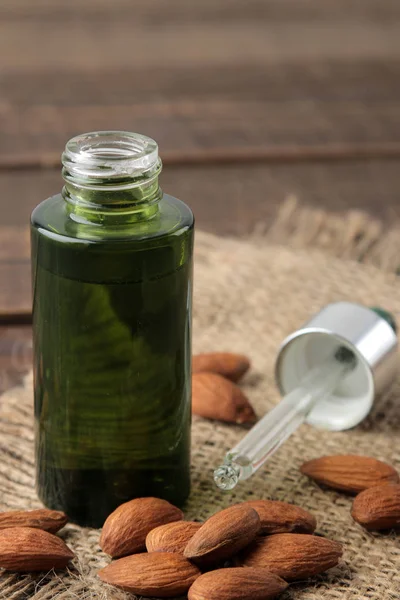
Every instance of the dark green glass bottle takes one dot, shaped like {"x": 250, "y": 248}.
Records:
{"x": 112, "y": 281}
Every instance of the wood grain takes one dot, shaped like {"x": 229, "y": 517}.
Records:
{"x": 223, "y": 11}
{"x": 15, "y": 295}
{"x": 263, "y": 77}
{"x": 125, "y": 43}
{"x": 205, "y": 109}
{"x": 201, "y": 76}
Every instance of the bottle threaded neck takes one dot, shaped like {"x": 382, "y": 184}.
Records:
{"x": 110, "y": 160}
{"x": 111, "y": 178}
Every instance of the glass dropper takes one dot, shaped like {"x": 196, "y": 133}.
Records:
{"x": 277, "y": 425}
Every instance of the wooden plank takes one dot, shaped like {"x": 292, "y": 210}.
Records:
{"x": 223, "y": 11}
{"x": 200, "y": 76}
{"x": 15, "y": 288}
{"x": 15, "y": 296}
{"x": 190, "y": 110}
{"x": 157, "y": 7}
{"x": 293, "y": 82}
{"x": 15, "y": 355}
{"x": 227, "y": 200}
{"x": 124, "y": 44}
{"x": 15, "y": 243}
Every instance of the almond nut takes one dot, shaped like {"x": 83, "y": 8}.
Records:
{"x": 349, "y": 473}
{"x": 282, "y": 517}
{"x": 223, "y": 534}
{"x": 378, "y": 507}
{"x": 229, "y": 365}
{"x": 292, "y": 556}
{"x": 29, "y": 549}
{"x": 215, "y": 397}
{"x": 171, "y": 537}
{"x": 125, "y": 530}
{"x": 160, "y": 574}
{"x": 237, "y": 584}
{"x": 42, "y": 518}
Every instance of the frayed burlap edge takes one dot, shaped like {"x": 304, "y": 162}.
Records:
{"x": 352, "y": 235}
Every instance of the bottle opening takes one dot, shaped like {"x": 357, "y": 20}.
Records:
{"x": 107, "y": 156}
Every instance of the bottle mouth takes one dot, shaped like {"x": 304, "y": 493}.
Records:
{"x": 109, "y": 157}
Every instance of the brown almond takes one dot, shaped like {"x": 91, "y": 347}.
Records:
{"x": 160, "y": 574}
{"x": 229, "y": 365}
{"x": 292, "y": 556}
{"x": 42, "y": 518}
{"x": 215, "y": 397}
{"x": 223, "y": 534}
{"x": 282, "y": 517}
{"x": 349, "y": 473}
{"x": 29, "y": 549}
{"x": 378, "y": 507}
{"x": 171, "y": 537}
{"x": 125, "y": 530}
{"x": 237, "y": 584}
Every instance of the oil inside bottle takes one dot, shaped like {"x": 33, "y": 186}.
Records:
{"x": 112, "y": 359}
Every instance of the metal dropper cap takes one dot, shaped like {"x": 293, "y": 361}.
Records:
{"x": 370, "y": 333}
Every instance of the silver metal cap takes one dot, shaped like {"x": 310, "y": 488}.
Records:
{"x": 369, "y": 334}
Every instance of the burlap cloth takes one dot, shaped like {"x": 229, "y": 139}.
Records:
{"x": 248, "y": 296}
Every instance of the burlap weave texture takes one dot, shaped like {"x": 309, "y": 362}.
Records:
{"x": 248, "y": 297}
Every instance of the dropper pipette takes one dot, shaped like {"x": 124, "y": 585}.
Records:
{"x": 277, "y": 425}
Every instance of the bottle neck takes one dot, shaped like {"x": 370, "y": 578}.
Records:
{"x": 112, "y": 207}
{"x": 111, "y": 178}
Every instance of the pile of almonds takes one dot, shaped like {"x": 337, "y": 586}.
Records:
{"x": 249, "y": 550}
{"x": 266, "y": 543}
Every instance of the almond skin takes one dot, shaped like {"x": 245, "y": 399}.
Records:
{"x": 237, "y": 584}
{"x": 215, "y": 397}
{"x": 229, "y": 365}
{"x": 292, "y": 556}
{"x": 223, "y": 535}
{"x": 378, "y": 507}
{"x": 160, "y": 574}
{"x": 125, "y": 530}
{"x": 349, "y": 473}
{"x": 282, "y": 517}
{"x": 29, "y": 549}
{"x": 48, "y": 520}
{"x": 172, "y": 537}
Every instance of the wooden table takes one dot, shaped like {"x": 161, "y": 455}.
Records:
{"x": 250, "y": 102}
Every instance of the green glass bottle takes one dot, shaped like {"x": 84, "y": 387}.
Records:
{"x": 112, "y": 287}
